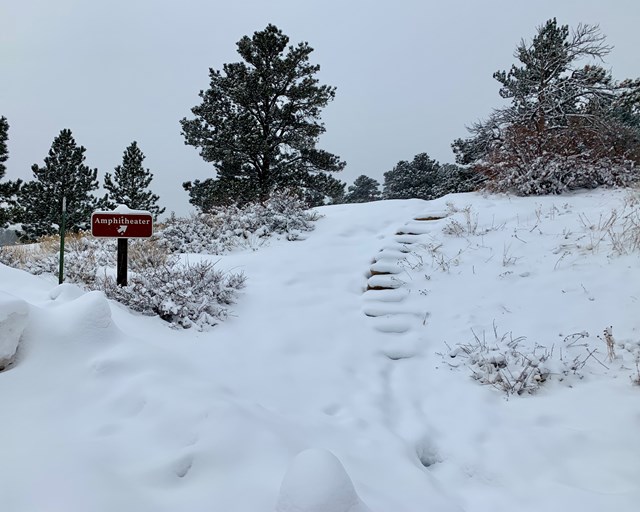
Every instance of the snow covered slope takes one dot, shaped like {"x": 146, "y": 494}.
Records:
{"x": 408, "y": 356}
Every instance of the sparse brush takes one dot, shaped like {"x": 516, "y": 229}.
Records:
{"x": 619, "y": 229}
{"x": 151, "y": 253}
{"x": 441, "y": 260}
{"x": 501, "y": 364}
{"x": 611, "y": 343}
{"x": 468, "y": 228}
{"x": 636, "y": 378}
{"x": 626, "y": 239}
{"x": 504, "y": 363}
{"x": 507, "y": 258}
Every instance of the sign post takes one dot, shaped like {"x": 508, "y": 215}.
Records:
{"x": 122, "y": 223}
{"x": 122, "y": 259}
{"x": 62, "y": 235}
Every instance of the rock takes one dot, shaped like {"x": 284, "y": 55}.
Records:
{"x": 14, "y": 315}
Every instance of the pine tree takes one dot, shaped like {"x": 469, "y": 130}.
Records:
{"x": 363, "y": 190}
{"x": 8, "y": 189}
{"x": 4, "y": 150}
{"x": 559, "y": 130}
{"x": 129, "y": 184}
{"x": 64, "y": 175}
{"x": 413, "y": 179}
{"x": 319, "y": 189}
{"x": 259, "y": 121}
{"x": 425, "y": 178}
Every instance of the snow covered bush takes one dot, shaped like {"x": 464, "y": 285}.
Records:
{"x": 83, "y": 255}
{"x": 144, "y": 253}
{"x": 39, "y": 258}
{"x": 516, "y": 366}
{"x": 231, "y": 227}
{"x": 554, "y": 174}
{"x": 503, "y": 364}
{"x": 186, "y": 296}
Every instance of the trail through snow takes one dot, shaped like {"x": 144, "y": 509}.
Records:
{"x": 339, "y": 350}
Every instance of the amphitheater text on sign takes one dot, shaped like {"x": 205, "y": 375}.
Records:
{"x": 121, "y": 225}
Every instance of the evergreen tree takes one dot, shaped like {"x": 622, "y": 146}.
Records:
{"x": 413, "y": 179}
{"x": 453, "y": 179}
{"x": 363, "y": 190}
{"x": 129, "y": 184}
{"x": 559, "y": 130}
{"x": 64, "y": 175}
{"x": 9, "y": 189}
{"x": 4, "y": 150}
{"x": 425, "y": 178}
{"x": 259, "y": 121}
{"x": 319, "y": 190}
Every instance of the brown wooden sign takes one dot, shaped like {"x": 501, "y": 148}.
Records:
{"x": 121, "y": 225}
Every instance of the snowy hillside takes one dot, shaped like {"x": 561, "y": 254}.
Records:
{"x": 466, "y": 354}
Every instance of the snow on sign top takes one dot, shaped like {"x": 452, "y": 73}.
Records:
{"x": 122, "y": 222}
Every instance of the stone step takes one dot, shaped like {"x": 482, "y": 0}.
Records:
{"x": 386, "y": 295}
{"x": 397, "y": 324}
{"x": 431, "y": 215}
{"x": 407, "y": 239}
{"x": 385, "y": 267}
{"x": 384, "y": 282}
{"x": 379, "y": 309}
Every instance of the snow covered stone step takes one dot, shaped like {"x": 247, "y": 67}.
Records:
{"x": 407, "y": 239}
{"x": 14, "y": 315}
{"x": 385, "y": 267}
{"x": 404, "y": 348}
{"x": 378, "y": 309}
{"x": 395, "y": 248}
{"x": 431, "y": 215}
{"x": 395, "y": 295}
{"x": 391, "y": 255}
{"x": 316, "y": 481}
{"x": 415, "y": 228}
{"x": 384, "y": 282}
{"x": 395, "y": 324}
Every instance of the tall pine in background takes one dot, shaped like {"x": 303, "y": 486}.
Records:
{"x": 64, "y": 174}
{"x": 4, "y": 150}
{"x": 259, "y": 123}
{"x": 9, "y": 189}
{"x": 129, "y": 184}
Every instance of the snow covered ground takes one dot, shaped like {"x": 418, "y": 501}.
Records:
{"x": 374, "y": 366}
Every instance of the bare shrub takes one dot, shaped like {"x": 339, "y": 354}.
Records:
{"x": 468, "y": 226}
{"x": 501, "y": 363}
{"x": 636, "y": 378}
{"x": 508, "y": 364}
{"x": 610, "y": 342}
{"x": 148, "y": 253}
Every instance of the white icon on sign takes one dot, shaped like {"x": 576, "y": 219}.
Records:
{"x": 122, "y": 229}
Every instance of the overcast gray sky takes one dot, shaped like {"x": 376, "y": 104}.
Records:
{"x": 410, "y": 74}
